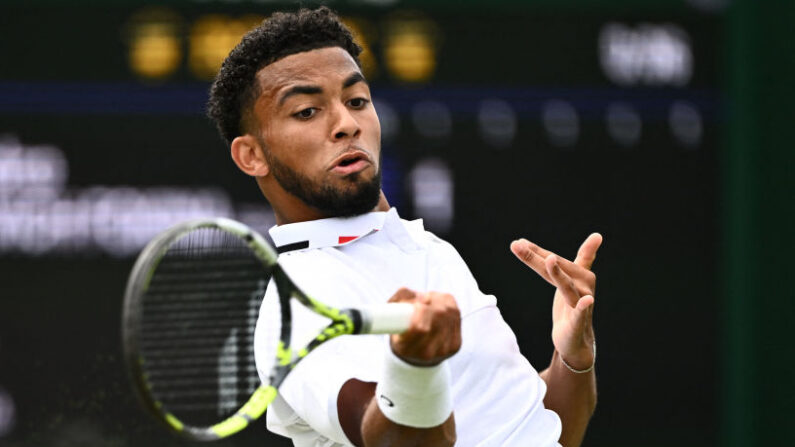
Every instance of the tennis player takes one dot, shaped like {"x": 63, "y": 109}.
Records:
{"x": 297, "y": 112}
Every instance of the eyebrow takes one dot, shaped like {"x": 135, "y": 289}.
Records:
{"x": 314, "y": 90}
{"x": 353, "y": 79}
{"x": 300, "y": 90}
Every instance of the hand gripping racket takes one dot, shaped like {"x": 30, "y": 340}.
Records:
{"x": 190, "y": 308}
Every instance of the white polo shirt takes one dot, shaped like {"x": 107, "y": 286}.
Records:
{"x": 351, "y": 262}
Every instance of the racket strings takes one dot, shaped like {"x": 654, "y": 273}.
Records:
{"x": 199, "y": 314}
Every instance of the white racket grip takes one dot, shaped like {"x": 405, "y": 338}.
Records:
{"x": 390, "y": 318}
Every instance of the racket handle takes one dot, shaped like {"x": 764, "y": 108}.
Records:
{"x": 390, "y": 318}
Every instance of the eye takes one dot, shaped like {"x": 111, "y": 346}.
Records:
{"x": 358, "y": 103}
{"x": 306, "y": 113}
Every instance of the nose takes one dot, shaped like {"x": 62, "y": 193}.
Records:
{"x": 344, "y": 124}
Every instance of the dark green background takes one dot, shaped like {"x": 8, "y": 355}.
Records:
{"x": 758, "y": 211}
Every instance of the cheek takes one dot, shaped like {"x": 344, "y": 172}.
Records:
{"x": 296, "y": 146}
{"x": 377, "y": 127}
{"x": 373, "y": 125}
{"x": 288, "y": 139}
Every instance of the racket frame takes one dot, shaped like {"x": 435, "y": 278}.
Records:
{"x": 389, "y": 318}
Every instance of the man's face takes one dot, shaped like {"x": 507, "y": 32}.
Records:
{"x": 319, "y": 131}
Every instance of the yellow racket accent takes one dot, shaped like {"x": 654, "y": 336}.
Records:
{"x": 331, "y": 313}
{"x": 252, "y": 410}
{"x": 284, "y": 355}
{"x": 173, "y": 421}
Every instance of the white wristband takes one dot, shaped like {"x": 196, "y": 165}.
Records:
{"x": 414, "y": 396}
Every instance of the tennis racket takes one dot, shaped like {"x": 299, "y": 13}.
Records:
{"x": 190, "y": 308}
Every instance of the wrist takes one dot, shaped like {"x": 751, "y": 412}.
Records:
{"x": 582, "y": 363}
{"x": 414, "y": 396}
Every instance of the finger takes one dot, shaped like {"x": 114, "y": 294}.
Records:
{"x": 584, "y": 303}
{"x": 525, "y": 251}
{"x": 433, "y": 309}
{"x": 562, "y": 281}
{"x": 570, "y": 267}
{"x": 533, "y": 256}
{"x": 450, "y": 332}
{"x": 585, "y": 278}
{"x": 582, "y": 314}
{"x": 403, "y": 295}
{"x": 586, "y": 255}
{"x": 530, "y": 254}
{"x": 435, "y": 332}
{"x": 424, "y": 298}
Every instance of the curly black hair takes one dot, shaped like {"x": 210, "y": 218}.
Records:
{"x": 235, "y": 88}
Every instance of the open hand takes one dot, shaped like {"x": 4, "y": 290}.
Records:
{"x": 572, "y": 308}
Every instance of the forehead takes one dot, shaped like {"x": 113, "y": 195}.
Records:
{"x": 314, "y": 66}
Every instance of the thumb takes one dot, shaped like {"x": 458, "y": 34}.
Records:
{"x": 582, "y": 311}
{"x": 584, "y": 303}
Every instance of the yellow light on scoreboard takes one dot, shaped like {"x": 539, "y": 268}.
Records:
{"x": 364, "y": 34}
{"x": 155, "y": 48}
{"x": 211, "y": 39}
{"x": 410, "y": 46}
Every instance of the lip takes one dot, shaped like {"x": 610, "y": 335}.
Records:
{"x": 361, "y": 160}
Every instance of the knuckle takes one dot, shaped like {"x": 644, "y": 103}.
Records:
{"x": 401, "y": 295}
{"x": 405, "y": 292}
{"x": 456, "y": 347}
{"x": 454, "y": 312}
{"x": 449, "y": 301}
{"x": 423, "y": 328}
{"x": 570, "y": 284}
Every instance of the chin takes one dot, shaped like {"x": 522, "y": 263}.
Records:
{"x": 360, "y": 195}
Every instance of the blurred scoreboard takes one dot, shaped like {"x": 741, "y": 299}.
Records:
{"x": 101, "y": 108}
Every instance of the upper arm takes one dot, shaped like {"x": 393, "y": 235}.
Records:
{"x": 544, "y": 376}
{"x": 352, "y": 402}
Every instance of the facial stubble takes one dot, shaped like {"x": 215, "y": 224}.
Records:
{"x": 359, "y": 196}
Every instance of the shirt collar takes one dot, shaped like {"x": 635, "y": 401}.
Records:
{"x": 336, "y": 231}
{"x": 329, "y": 232}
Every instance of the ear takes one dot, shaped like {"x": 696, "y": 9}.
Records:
{"x": 249, "y": 156}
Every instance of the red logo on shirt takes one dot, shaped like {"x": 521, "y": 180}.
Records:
{"x": 344, "y": 239}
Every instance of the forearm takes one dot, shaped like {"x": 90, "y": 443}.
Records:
{"x": 378, "y": 431}
{"x": 411, "y": 405}
{"x": 572, "y": 396}
{"x": 366, "y": 426}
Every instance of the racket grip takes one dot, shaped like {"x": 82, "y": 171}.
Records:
{"x": 390, "y": 318}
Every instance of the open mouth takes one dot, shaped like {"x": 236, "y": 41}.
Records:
{"x": 349, "y": 160}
